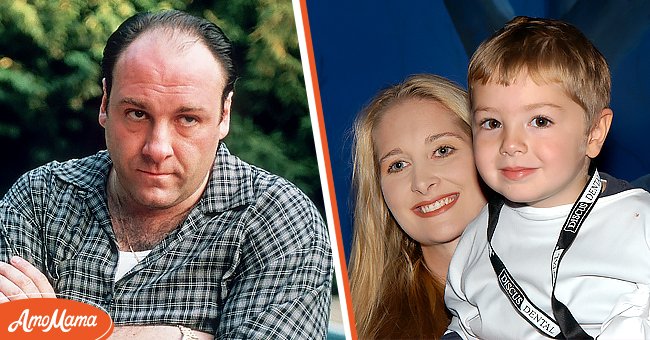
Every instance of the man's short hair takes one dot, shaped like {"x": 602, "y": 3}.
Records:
{"x": 176, "y": 21}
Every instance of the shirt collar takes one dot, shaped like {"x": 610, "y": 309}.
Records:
{"x": 230, "y": 185}
{"x": 87, "y": 173}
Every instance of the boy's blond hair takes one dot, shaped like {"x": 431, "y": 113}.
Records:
{"x": 550, "y": 51}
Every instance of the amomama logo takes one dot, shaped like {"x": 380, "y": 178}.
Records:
{"x": 42, "y": 318}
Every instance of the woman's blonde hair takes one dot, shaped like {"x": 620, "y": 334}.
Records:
{"x": 393, "y": 294}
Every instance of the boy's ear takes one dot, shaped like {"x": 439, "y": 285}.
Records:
{"x": 598, "y": 132}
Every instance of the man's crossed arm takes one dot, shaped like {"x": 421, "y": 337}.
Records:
{"x": 20, "y": 280}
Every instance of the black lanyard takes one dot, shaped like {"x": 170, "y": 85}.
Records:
{"x": 566, "y": 327}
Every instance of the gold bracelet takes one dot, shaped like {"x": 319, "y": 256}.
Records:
{"x": 188, "y": 333}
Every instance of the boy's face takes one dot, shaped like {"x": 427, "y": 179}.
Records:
{"x": 530, "y": 143}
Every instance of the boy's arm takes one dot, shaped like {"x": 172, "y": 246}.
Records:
{"x": 464, "y": 313}
{"x": 629, "y": 319}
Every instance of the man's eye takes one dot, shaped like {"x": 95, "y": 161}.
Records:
{"x": 490, "y": 124}
{"x": 136, "y": 114}
{"x": 541, "y": 122}
{"x": 188, "y": 120}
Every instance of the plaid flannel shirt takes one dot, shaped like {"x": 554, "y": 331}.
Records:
{"x": 251, "y": 260}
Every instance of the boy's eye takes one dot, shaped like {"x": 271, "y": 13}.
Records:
{"x": 490, "y": 124}
{"x": 397, "y": 166}
{"x": 540, "y": 122}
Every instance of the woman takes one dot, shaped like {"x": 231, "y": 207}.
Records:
{"x": 416, "y": 189}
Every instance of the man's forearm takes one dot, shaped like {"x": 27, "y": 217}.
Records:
{"x": 19, "y": 279}
{"x": 156, "y": 332}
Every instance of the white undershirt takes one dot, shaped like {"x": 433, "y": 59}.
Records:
{"x": 128, "y": 260}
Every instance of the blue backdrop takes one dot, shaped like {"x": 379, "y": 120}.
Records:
{"x": 363, "y": 46}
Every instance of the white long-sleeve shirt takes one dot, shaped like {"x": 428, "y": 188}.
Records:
{"x": 603, "y": 278}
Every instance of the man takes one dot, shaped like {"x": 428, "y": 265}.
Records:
{"x": 168, "y": 238}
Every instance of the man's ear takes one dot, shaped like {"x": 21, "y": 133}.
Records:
{"x": 224, "y": 124}
{"x": 598, "y": 132}
{"x": 103, "y": 106}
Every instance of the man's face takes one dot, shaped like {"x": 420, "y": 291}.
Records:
{"x": 164, "y": 120}
{"x": 530, "y": 143}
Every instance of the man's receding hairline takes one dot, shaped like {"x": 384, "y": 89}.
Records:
{"x": 173, "y": 37}
{"x": 160, "y": 32}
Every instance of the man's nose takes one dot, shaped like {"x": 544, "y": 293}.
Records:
{"x": 158, "y": 145}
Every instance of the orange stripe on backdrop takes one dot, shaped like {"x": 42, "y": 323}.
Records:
{"x": 330, "y": 181}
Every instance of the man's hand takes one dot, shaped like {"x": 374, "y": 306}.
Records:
{"x": 153, "y": 332}
{"x": 20, "y": 280}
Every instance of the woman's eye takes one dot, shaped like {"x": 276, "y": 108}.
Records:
{"x": 540, "y": 122}
{"x": 490, "y": 124}
{"x": 443, "y": 151}
{"x": 397, "y": 166}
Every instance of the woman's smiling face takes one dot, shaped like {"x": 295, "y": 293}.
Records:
{"x": 427, "y": 171}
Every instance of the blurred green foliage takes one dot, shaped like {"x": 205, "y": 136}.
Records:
{"x": 50, "y": 53}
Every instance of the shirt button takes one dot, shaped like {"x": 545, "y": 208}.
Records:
{"x": 108, "y": 298}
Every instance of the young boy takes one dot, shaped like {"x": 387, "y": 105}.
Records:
{"x": 566, "y": 253}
